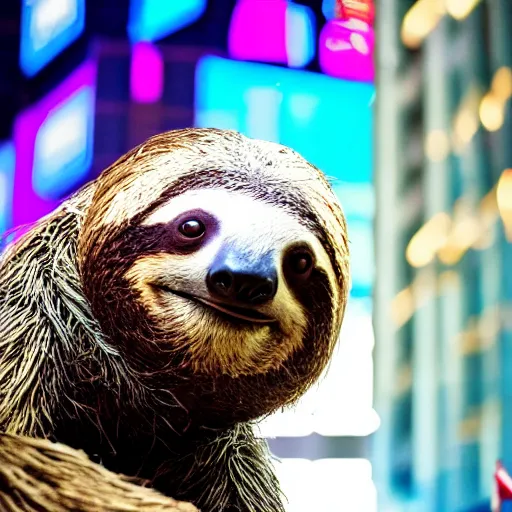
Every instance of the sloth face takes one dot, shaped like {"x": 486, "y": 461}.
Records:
{"x": 226, "y": 274}
{"x": 219, "y": 264}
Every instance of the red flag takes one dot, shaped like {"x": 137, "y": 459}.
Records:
{"x": 502, "y": 487}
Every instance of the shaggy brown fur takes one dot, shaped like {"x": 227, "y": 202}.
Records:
{"x": 36, "y": 474}
{"x": 83, "y": 363}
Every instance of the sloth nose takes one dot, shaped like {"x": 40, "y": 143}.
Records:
{"x": 242, "y": 280}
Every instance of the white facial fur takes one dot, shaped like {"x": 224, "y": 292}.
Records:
{"x": 215, "y": 345}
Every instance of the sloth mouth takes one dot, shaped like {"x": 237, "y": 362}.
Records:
{"x": 233, "y": 312}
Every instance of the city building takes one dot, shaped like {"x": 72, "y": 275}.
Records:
{"x": 443, "y": 358}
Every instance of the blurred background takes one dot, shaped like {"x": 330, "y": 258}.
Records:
{"x": 423, "y": 169}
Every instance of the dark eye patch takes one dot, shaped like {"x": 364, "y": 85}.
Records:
{"x": 139, "y": 240}
{"x": 271, "y": 192}
{"x": 191, "y": 229}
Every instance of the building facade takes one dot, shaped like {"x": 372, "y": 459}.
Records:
{"x": 443, "y": 358}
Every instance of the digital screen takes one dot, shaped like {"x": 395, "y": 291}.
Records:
{"x": 146, "y": 73}
{"x": 63, "y": 149}
{"x": 329, "y": 9}
{"x": 47, "y": 28}
{"x": 151, "y": 20}
{"x": 289, "y": 32}
{"x": 358, "y": 199}
{"x": 346, "y": 50}
{"x": 54, "y": 142}
{"x": 327, "y": 120}
{"x": 361, "y": 257}
{"x": 7, "y": 163}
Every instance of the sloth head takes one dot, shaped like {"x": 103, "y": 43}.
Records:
{"x": 219, "y": 265}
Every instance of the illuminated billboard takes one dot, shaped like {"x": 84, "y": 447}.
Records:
{"x": 151, "y": 20}
{"x": 327, "y": 120}
{"x": 7, "y": 162}
{"x": 54, "y": 141}
{"x": 47, "y": 28}
{"x": 289, "y": 32}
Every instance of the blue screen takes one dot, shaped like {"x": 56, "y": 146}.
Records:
{"x": 327, "y": 120}
{"x": 7, "y": 163}
{"x": 63, "y": 147}
{"x": 151, "y": 20}
{"x": 47, "y": 27}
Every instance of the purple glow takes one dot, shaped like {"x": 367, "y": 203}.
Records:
{"x": 346, "y": 50}
{"x": 28, "y": 206}
{"x": 280, "y": 32}
{"x": 257, "y": 33}
{"x": 146, "y": 73}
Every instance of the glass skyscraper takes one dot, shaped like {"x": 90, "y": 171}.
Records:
{"x": 443, "y": 357}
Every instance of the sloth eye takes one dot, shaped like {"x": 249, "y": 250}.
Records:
{"x": 300, "y": 262}
{"x": 192, "y": 228}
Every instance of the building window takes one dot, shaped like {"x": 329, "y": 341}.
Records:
{"x": 402, "y": 479}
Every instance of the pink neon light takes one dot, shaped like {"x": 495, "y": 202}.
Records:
{"x": 146, "y": 73}
{"x": 346, "y": 50}
{"x": 27, "y": 205}
{"x": 258, "y": 32}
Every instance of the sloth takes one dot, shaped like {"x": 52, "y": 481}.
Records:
{"x": 194, "y": 287}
